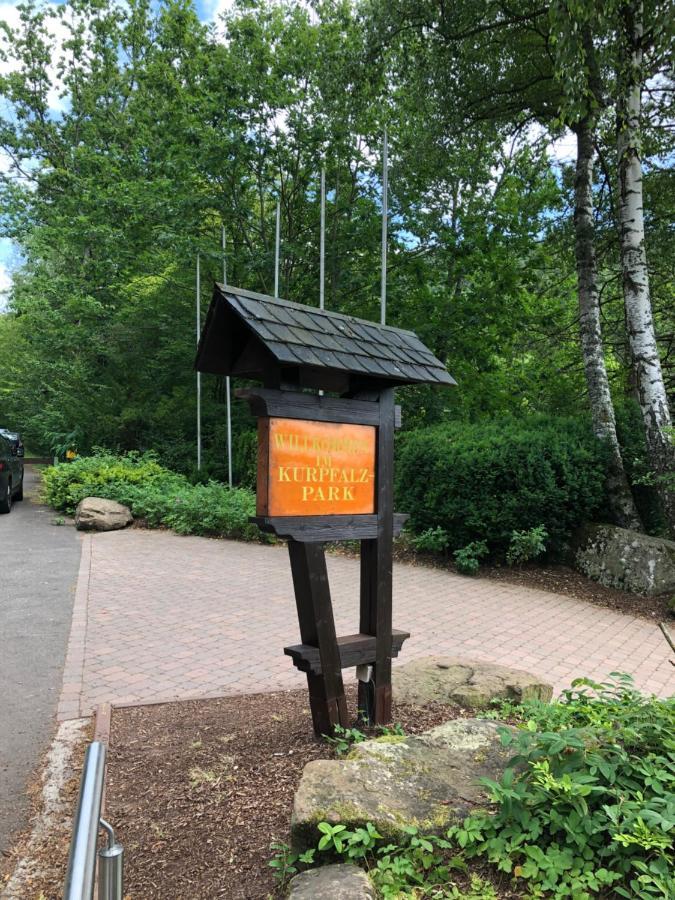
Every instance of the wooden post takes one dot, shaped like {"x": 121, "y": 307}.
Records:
{"x": 317, "y": 627}
{"x": 376, "y": 574}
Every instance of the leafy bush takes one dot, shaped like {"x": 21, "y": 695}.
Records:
{"x": 586, "y": 807}
{"x": 467, "y": 558}
{"x": 485, "y": 481}
{"x": 245, "y": 458}
{"x": 153, "y": 493}
{"x": 66, "y": 484}
{"x": 433, "y": 540}
{"x": 588, "y": 801}
{"x": 526, "y": 545}
{"x": 420, "y": 865}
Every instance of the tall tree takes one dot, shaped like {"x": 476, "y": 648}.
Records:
{"x": 632, "y": 42}
{"x": 490, "y": 62}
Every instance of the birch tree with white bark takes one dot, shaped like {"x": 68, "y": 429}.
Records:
{"x": 634, "y": 43}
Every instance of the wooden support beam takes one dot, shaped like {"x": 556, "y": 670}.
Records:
{"x": 325, "y": 528}
{"x": 317, "y": 627}
{"x": 376, "y": 576}
{"x": 354, "y": 649}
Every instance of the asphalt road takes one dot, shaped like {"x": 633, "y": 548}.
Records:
{"x": 38, "y": 569}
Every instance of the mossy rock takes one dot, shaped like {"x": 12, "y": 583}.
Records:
{"x": 470, "y": 684}
{"x": 337, "y": 882}
{"x": 429, "y": 780}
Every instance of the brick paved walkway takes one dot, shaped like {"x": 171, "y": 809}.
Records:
{"x": 159, "y": 617}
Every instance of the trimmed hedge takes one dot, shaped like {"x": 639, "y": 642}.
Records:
{"x": 153, "y": 493}
{"x": 485, "y": 481}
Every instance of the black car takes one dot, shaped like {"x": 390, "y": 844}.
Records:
{"x": 14, "y": 439}
{"x": 11, "y": 469}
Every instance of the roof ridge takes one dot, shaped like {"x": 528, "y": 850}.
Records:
{"x": 265, "y": 298}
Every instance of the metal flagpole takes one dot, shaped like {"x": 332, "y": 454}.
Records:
{"x": 199, "y": 374}
{"x": 385, "y": 198}
{"x": 228, "y": 395}
{"x": 322, "y": 242}
{"x": 277, "y": 247}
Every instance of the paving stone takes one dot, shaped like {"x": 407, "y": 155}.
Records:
{"x": 141, "y": 594}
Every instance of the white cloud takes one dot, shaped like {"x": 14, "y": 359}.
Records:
{"x": 564, "y": 150}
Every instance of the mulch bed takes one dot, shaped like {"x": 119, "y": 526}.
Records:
{"x": 197, "y": 790}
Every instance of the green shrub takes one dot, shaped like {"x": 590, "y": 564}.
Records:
{"x": 526, "y": 545}
{"x": 467, "y": 559}
{"x": 588, "y": 801}
{"x": 245, "y": 459}
{"x": 153, "y": 493}
{"x": 485, "y": 481}
{"x": 433, "y": 540}
{"x": 66, "y": 484}
{"x": 586, "y": 807}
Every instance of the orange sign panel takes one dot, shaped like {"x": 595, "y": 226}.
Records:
{"x": 308, "y": 468}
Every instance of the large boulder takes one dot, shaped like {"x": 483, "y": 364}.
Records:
{"x": 628, "y": 560}
{"x": 461, "y": 682}
{"x": 336, "y": 882}
{"x": 429, "y": 780}
{"x": 96, "y": 514}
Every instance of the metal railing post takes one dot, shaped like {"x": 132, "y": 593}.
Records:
{"x": 81, "y": 873}
{"x": 82, "y": 861}
{"x": 110, "y": 867}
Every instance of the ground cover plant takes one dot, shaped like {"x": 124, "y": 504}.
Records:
{"x": 153, "y": 493}
{"x": 585, "y": 808}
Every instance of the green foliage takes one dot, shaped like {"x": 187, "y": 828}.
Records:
{"x": 153, "y": 493}
{"x": 245, "y": 458}
{"x": 526, "y": 545}
{"x": 421, "y": 865}
{"x": 343, "y": 739}
{"x": 585, "y": 807}
{"x": 588, "y": 801}
{"x": 284, "y": 861}
{"x": 433, "y": 540}
{"x": 482, "y": 482}
{"x": 467, "y": 559}
{"x": 66, "y": 484}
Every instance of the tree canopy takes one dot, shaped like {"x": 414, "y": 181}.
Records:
{"x": 168, "y": 129}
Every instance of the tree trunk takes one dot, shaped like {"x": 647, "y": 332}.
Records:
{"x": 651, "y": 388}
{"x": 602, "y": 410}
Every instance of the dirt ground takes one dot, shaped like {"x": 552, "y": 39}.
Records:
{"x": 199, "y": 789}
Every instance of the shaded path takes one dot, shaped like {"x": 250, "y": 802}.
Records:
{"x": 38, "y": 567}
{"x": 160, "y": 616}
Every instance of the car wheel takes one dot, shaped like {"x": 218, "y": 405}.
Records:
{"x": 18, "y": 495}
{"x": 6, "y": 500}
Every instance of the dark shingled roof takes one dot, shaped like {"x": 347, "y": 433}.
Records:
{"x": 306, "y": 337}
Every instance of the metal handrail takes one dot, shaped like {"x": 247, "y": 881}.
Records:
{"x": 81, "y": 873}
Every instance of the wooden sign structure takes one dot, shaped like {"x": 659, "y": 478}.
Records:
{"x": 326, "y": 421}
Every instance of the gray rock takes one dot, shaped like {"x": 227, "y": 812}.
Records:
{"x": 96, "y": 514}
{"x": 628, "y": 560}
{"x": 429, "y": 780}
{"x": 467, "y": 683}
{"x": 338, "y": 882}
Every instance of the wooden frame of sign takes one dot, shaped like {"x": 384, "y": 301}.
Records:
{"x": 325, "y": 471}
{"x": 322, "y": 655}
